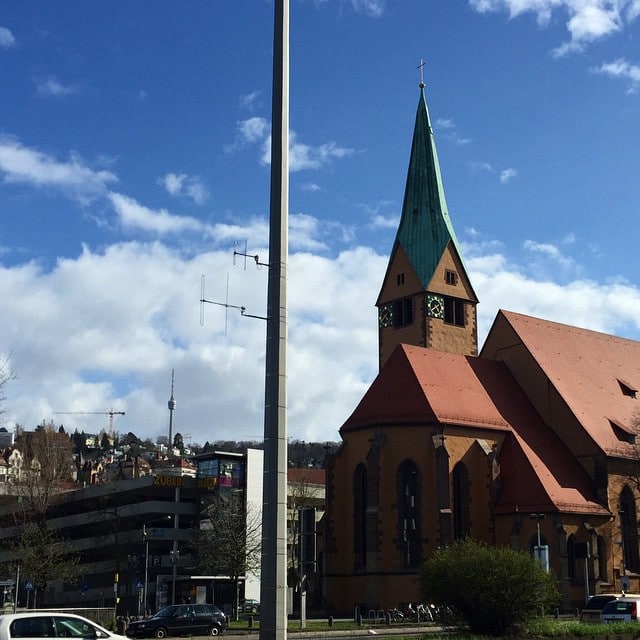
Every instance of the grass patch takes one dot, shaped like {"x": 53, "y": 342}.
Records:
{"x": 551, "y": 628}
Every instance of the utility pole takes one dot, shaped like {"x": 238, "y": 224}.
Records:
{"x": 273, "y": 574}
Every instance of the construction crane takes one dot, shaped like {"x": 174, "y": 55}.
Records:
{"x": 88, "y": 413}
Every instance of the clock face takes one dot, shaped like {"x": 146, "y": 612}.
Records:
{"x": 435, "y": 306}
{"x": 384, "y": 316}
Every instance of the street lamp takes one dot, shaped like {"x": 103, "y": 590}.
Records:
{"x": 174, "y": 558}
{"x": 145, "y": 588}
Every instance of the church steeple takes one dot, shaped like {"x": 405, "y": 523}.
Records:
{"x": 426, "y": 297}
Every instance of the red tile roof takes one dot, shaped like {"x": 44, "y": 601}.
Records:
{"x": 591, "y": 371}
{"x": 310, "y": 475}
{"x": 425, "y": 387}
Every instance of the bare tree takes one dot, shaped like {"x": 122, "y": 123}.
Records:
{"x": 229, "y": 539}
{"x": 6, "y": 375}
{"x": 42, "y": 553}
{"x": 302, "y": 494}
{"x": 47, "y": 464}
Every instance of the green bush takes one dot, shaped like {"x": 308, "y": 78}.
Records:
{"x": 489, "y": 588}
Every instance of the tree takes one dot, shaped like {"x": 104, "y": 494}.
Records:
{"x": 302, "y": 494}
{"x": 40, "y": 551}
{"x": 48, "y": 462}
{"x": 490, "y": 588}
{"x": 6, "y": 375}
{"x": 228, "y": 540}
{"x": 178, "y": 442}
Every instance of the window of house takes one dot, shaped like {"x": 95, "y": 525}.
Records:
{"x": 627, "y": 389}
{"x": 400, "y": 278}
{"x": 623, "y": 433}
{"x": 454, "y": 312}
{"x": 450, "y": 277}
{"x": 403, "y": 312}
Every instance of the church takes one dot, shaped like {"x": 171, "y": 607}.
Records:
{"x": 528, "y": 442}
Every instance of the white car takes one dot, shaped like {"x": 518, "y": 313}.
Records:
{"x": 624, "y": 609}
{"x": 51, "y": 624}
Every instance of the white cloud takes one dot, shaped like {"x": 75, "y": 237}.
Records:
{"x": 588, "y": 20}
{"x": 109, "y": 327}
{"x": 481, "y": 166}
{"x": 633, "y": 10}
{"x": 22, "y": 164}
{"x": 134, "y": 216}
{"x": 301, "y": 156}
{"x": 248, "y": 101}
{"x": 7, "y": 39}
{"x": 185, "y": 186}
{"x": 506, "y": 175}
{"x": 382, "y": 215}
{"x": 620, "y": 68}
{"x": 450, "y": 132}
{"x": 254, "y": 129}
{"x": 373, "y": 8}
{"x": 51, "y": 86}
{"x": 552, "y": 258}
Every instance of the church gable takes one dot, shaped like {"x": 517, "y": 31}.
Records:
{"x": 573, "y": 377}
{"x": 450, "y": 277}
{"x": 400, "y": 279}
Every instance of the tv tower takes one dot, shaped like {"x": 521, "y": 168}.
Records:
{"x": 172, "y": 407}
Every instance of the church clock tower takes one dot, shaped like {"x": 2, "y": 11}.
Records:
{"x": 426, "y": 297}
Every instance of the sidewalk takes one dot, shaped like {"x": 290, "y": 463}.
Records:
{"x": 328, "y": 632}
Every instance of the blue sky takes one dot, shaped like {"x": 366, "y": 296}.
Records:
{"x": 134, "y": 158}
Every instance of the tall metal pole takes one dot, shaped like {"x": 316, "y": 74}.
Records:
{"x": 273, "y": 574}
{"x": 145, "y": 588}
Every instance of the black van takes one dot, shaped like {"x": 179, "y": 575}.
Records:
{"x": 180, "y": 620}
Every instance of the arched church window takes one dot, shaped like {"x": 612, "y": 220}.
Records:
{"x": 629, "y": 530}
{"x": 571, "y": 557}
{"x": 602, "y": 559}
{"x": 409, "y": 513}
{"x": 461, "y": 502}
{"x": 360, "y": 515}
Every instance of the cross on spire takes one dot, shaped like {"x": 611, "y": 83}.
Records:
{"x": 421, "y": 67}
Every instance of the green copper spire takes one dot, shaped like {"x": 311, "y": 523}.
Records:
{"x": 425, "y": 227}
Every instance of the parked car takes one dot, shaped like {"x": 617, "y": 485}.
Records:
{"x": 623, "y": 609}
{"x": 594, "y": 606}
{"x": 180, "y": 620}
{"x": 250, "y": 606}
{"x": 45, "y": 624}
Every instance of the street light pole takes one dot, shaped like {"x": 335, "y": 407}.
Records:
{"x": 174, "y": 556}
{"x": 145, "y": 588}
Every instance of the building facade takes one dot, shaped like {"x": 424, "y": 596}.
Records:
{"x": 134, "y": 536}
{"x": 530, "y": 443}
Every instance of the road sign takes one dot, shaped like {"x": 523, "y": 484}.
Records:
{"x": 28, "y": 585}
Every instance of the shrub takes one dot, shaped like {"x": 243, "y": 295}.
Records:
{"x": 490, "y": 588}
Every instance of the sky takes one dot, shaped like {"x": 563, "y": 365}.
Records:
{"x": 134, "y": 171}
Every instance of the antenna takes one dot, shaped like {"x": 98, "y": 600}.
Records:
{"x": 172, "y": 406}
{"x": 224, "y": 304}
{"x": 245, "y": 255}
